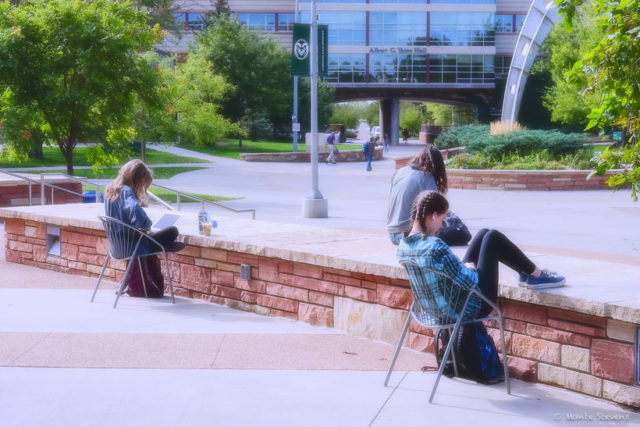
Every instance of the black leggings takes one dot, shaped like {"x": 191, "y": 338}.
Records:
{"x": 164, "y": 237}
{"x": 486, "y": 250}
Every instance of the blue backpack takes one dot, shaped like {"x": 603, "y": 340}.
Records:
{"x": 364, "y": 147}
{"x": 477, "y": 355}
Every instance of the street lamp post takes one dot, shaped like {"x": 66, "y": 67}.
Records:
{"x": 314, "y": 206}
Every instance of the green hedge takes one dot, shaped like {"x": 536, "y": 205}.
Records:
{"x": 461, "y": 135}
{"x": 476, "y": 139}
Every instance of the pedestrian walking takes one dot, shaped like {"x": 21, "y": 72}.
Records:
{"x": 333, "y": 150}
{"x": 369, "y": 150}
{"x": 387, "y": 142}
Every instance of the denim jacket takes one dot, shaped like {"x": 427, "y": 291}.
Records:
{"x": 127, "y": 209}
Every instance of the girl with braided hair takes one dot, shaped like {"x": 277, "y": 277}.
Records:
{"x": 479, "y": 267}
{"x": 426, "y": 171}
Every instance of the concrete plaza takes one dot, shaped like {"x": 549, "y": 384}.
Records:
{"x": 66, "y": 361}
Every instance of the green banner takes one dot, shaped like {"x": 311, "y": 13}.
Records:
{"x": 301, "y": 49}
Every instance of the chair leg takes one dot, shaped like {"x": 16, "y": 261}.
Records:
{"x": 121, "y": 289}
{"x": 104, "y": 266}
{"x": 166, "y": 265}
{"x": 453, "y": 354}
{"x": 505, "y": 362}
{"x": 402, "y": 335}
{"x": 456, "y": 329}
{"x": 144, "y": 284}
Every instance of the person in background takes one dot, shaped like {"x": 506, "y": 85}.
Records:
{"x": 333, "y": 151}
{"x": 123, "y": 199}
{"x": 479, "y": 267}
{"x": 369, "y": 150}
{"x": 405, "y": 135}
{"x": 387, "y": 142}
{"x": 426, "y": 171}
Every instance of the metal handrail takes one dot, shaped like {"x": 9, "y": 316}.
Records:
{"x": 72, "y": 177}
{"x": 179, "y": 194}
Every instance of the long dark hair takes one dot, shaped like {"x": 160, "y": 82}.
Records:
{"x": 134, "y": 174}
{"x": 426, "y": 204}
{"x": 430, "y": 160}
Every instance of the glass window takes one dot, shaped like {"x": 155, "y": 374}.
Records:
{"x": 346, "y": 68}
{"x": 501, "y": 65}
{"x": 461, "y": 69}
{"x": 285, "y": 21}
{"x": 345, "y": 28}
{"x": 504, "y": 23}
{"x": 258, "y": 21}
{"x": 397, "y": 29}
{"x": 398, "y": 68}
{"x": 399, "y": 1}
{"x": 334, "y": 1}
{"x": 519, "y": 22}
{"x": 462, "y": 29}
{"x": 463, "y": 1}
{"x": 179, "y": 18}
{"x": 195, "y": 21}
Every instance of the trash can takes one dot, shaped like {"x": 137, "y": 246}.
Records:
{"x": 90, "y": 197}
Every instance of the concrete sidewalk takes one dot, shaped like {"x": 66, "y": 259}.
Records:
{"x": 67, "y": 362}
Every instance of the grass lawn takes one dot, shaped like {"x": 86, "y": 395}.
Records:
{"x": 170, "y": 197}
{"x": 229, "y": 148}
{"x": 110, "y": 173}
{"x": 53, "y": 157}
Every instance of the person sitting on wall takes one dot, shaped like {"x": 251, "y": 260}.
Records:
{"x": 479, "y": 267}
{"x": 426, "y": 171}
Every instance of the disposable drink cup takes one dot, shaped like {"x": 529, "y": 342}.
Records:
{"x": 206, "y": 229}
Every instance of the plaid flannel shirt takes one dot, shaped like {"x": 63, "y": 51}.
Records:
{"x": 433, "y": 254}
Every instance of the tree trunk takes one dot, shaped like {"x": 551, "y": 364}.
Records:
{"x": 35, "y": 149}
{"x": 68, "y": 158}
{"x": 240, "y": 142}
{"x": 143, "y": 151}
{"x": 67, "y": 152}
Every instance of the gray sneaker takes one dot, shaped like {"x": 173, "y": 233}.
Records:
{"x": 548, "y": 279}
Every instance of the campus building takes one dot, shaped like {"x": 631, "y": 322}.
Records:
{"x": 449, "y": 51}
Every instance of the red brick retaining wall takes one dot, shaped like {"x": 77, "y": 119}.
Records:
{"x": 577, "y": 351}
{"x": 18, "y": 194}
{"x": 480, "y": 179}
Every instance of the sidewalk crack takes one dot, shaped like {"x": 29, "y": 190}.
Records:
{"x": 215, "y": 357}
{"x": 12, "y": 363}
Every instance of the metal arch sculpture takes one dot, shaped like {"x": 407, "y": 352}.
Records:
{"x": 542, "y": 16}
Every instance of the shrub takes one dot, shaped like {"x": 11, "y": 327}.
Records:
{"x": 350, "y": 134}
{"x": 527, "y": 142}
{"x": 461, "y": 135}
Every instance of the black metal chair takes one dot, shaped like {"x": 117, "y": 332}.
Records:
{"x": 438, "y": 304}
{"x": 124, "y": 243}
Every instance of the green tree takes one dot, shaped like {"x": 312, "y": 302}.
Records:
{"x": 440, "y": 114}
{"x": 196, "y": 95}
{"x": 222, "y": 7}
{"x": 411, "y": 117}
{"x": 325, "y": 106}
{"x": 561, "y": 51}
{"x": 347, "y": 113}
{"x": 612, "y": 70}
{"x": 75, "y": 65}
{"x": 372, "y": 113}
{"x": 258, "y": 68}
